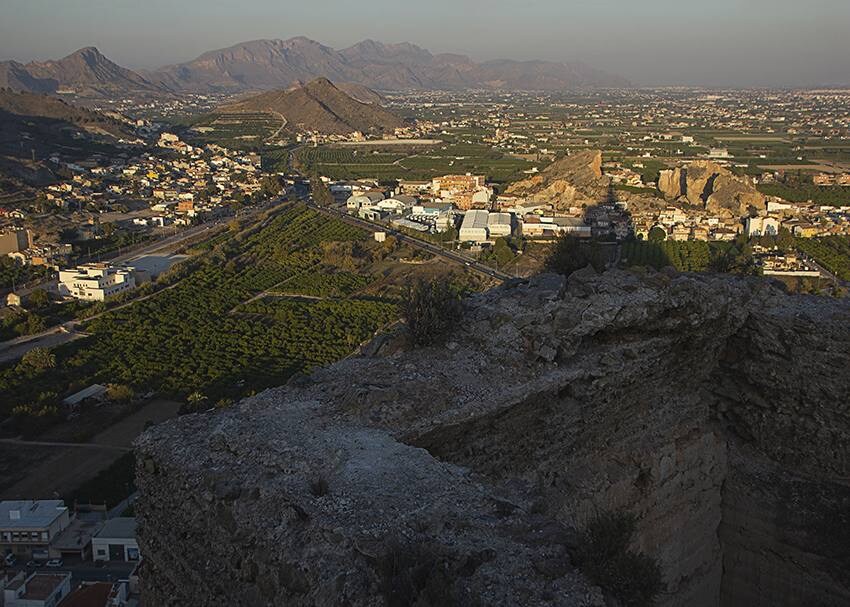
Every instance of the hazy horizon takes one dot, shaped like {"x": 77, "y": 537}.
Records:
{"x": 778, "y": 43}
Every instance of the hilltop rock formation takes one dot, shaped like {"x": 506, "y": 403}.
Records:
{"x": 715, "y": 409}
{"x": 320, "y": 106}
{"x": 570, "y": 181}
{"x": 707, "y": 184}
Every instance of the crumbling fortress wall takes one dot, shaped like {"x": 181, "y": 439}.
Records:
{"x": 714, "y": 409}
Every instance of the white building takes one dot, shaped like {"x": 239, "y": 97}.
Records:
{"x": 761, "y": 226}
{"x": 116, "y": 541}
{"x": 29, "y": 527}
{"x": 534, "y": 226}
{"x": 366, "y": 199}
{"x": 95, "y": 281}
{"x": 474, "y": 226}
{"x": 499, "y": 225}
{"x": 397, "y": 205}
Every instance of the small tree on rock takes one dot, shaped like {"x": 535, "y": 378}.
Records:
{"x": 431, "y": 310}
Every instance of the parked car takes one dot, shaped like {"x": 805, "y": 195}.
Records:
{"x": 10, "y": 560}
{"x": 34, "y": 564}
{"x": 54, "y": 563}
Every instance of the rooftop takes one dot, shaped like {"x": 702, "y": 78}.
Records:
{"x": 39, "y": 586}
{"x": 89, "y": 595}
{"x": 119, "y": 527}
{"x": 29, "y": 514}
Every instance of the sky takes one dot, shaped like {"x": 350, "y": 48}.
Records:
{"x": 722, "y": 43}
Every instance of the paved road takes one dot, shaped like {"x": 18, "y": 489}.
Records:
{"x": 415, "y": 242}
{"x": 33, "y": 443}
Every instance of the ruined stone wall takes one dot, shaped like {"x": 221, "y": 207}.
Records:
{"x": 783, "y": 389}
{"x": 712, "y": 408}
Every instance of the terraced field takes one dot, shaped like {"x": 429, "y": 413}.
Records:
{"x": 198, "y": 336}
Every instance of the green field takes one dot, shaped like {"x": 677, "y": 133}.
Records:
{"x": 420, "y": 163}
{"x": 204, "y": 335}
{"x": 825, "y": 195}
{"x": 832, "y": 252}
{"x": 238, "y": 130}
{"x": 689, "y": 256}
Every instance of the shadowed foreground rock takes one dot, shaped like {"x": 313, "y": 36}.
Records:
{"x": 714, "y": 409}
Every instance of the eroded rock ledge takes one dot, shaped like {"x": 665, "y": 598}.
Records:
{"x": 715, "y": 409}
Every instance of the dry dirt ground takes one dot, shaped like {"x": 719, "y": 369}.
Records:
{"x": 33, "y": 471}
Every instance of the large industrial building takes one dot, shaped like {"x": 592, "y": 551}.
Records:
{"x": 483, "y": 226}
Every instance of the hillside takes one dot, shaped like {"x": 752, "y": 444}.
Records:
{"x": 320, "y": 106}
{"x": 34, "y": 127}
{"x": 707, "y": 407}
{"x": 270, "y": 64}
{"x": 86, "y": 72}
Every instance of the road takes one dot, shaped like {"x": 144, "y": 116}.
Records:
{"x": 82, "y": 571}
{"x": 472, "y": 264}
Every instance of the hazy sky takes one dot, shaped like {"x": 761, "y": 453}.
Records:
{"x": 651, "y": 42}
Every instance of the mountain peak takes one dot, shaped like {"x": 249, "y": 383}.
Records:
{"x": 319, "y": 105}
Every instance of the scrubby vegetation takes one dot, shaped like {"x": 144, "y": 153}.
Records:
{"x": 691, "y": 256}
{"x": 571, "y": 254}
{"x": 431, "y": 310}
{"x": 607, "y": 559}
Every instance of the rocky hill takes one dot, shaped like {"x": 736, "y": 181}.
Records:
{"x": 570, "y": 181}
{"x": 86, "y": 72}
{"x": 712, "y": 408}
{"x": 707, "y": 184}
{"x": 274, "y": 64}
{"x": 320, "y": 106}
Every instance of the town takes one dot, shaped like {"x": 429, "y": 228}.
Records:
{"x": 168, "y": 252}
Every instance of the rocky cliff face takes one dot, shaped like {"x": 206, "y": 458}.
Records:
{"x": 570, "y": 181}
{"x": 707, "y": 184}
{"x": 714, "y": 409}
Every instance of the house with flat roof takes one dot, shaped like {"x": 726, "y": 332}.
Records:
{"x": 116, "y": 541}
{"x": 28, "y": 526}
{"x": 37, "y": 589}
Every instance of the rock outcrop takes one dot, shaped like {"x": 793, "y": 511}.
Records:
{"x": 570, "y": 181}
{"x": 707, "y": 184}
{"x": 714, "y": 409}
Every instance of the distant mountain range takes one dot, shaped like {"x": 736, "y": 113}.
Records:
{"x": 275, "y": 64}
{"x": 320, "y": 106}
